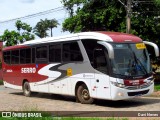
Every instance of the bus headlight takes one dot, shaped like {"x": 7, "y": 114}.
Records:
{"x": 151, "y": 82}
{"x": 118, "y": 84}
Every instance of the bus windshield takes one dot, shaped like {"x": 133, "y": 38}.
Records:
{"x": 130, "y": 59}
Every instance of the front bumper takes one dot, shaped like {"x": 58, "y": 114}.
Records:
{"x": 118, "y": 93}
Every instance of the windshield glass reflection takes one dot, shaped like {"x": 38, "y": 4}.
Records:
{"x": 130, "y": 59}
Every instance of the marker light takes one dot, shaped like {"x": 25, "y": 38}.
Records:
{"x": 120, "y": 94}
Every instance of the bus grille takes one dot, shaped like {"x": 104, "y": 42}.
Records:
{"x": 138, "y": 93}
{"x": 137, "y": 87}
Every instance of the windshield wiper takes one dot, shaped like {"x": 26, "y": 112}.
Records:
{"x": 141, "y": 65}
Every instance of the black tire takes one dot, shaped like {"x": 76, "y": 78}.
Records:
{"x": 83, "y": 95}
{"x": 26, "y": 89}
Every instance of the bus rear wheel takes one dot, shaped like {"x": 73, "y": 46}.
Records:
{"x": 83, "y": 95}
{"x": 26, "y": 89}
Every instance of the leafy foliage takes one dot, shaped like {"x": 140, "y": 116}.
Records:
{"x": 23, "y": 26}
{"x": 95, "y": 15}
{"x": 10, "y": 37}
{"x": 157, "y": 2}
{"x": 52, "y": 24}
{"x": 41, "y": 29}
{"x": 110, "y": 15}
{"x": 13, "y": 37}
{"x": 43, "y": 26}
{"x": 1, "y": 82}
{"x": 144, "y": 21}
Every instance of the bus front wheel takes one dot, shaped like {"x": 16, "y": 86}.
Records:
{"x": 83, "y": 95}
{"x": 26, "y": 89}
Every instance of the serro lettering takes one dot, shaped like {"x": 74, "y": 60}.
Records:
{"x": 28, "y": 70}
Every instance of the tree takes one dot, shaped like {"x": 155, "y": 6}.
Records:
{"x": 110, "y": 15}
{"x": 95, "y": 15}
{"x": 10, "y": 37}
{"x": 51, "y": 24}
{"x": 41, "y": 29}
{"x": 43, "y": 26}
{"x": 18, "y": 25}
{"x": 157, "y": 2}
{"x": 24, "y": 31}
{"x": 23, "y": 26}
{"x": 13, "y": 37}
{"x": 144, "y": 20}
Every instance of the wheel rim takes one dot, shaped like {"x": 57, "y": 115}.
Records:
{"x": 85, "y": 94}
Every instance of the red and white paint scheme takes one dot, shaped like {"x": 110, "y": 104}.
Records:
{"x": 87, "y": 65}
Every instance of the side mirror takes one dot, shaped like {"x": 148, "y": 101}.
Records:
{"x": 109, "y": 48}
{"x": 153, "y": 46}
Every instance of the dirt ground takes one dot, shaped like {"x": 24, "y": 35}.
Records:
{"x": 14, "y": 100}
{"x": 155, "y": 94}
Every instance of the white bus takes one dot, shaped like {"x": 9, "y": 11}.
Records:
{"x": 87, "y": 65}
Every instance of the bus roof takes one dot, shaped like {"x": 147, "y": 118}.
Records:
{"x": 99, "y": 35}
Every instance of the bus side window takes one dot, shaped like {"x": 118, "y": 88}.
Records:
{"x": 25, "y": 56}
{"x": 41, "y": 54}
{"x": 28, "y": 55}
{"x": 89, "y": 46}
{"x": 15, "y": 57}
{"x": 7, "y": 57}
{"x": 33, "y": 55}
{"x": 96, "y": 55}
{"x": 100, "y": 62}
{"x": 22, "y": 56}
{"x": 71, "y": 52}
{"x": 55, "y": 53}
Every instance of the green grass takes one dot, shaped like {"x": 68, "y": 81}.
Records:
{"x": 1, "y": 82}
{"x": 43, "y": 118}
{"x": 64, "y": 118}
{"x": 157, "y": 87}
{"x": 49, "y": 115}
{"x": 89, "y": 118}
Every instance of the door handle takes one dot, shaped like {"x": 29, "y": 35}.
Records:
{"x": 97, "y": 80}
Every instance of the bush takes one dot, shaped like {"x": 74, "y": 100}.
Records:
{"x": 1, "y": 82}
{"x": 157, "y": 87}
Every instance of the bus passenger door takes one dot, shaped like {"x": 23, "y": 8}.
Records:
{"x": 101, "y": 73}
{"x": 54, "y": 78}
{"x": 42, "y": 75}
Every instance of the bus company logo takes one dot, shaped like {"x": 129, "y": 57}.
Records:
{"x": 6, "y": 114}
{"x": 28, "y": 70}
{"x": 9, "y": 71}
{"x": 135, "y": 82}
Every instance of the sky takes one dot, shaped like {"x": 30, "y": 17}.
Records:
{"x": 11, "y": 9}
